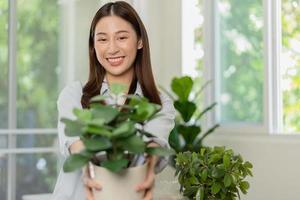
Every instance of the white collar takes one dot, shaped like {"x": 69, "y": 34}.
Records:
{"x": 105, "y": 88}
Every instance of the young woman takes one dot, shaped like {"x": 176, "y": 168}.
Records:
{"x": 118, "y": 53}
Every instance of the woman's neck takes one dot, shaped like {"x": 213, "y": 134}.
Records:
{"x": 124, "y": 79}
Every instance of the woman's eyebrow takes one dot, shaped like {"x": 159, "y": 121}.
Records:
{"x": 121, "y": 31}
{"x": 101, "y": 33}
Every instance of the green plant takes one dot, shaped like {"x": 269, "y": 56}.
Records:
{"x": 187, "y": 135}
{"x": 113, "y": 130}
{"x": 212, "y": 174}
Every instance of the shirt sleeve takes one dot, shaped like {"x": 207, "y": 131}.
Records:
{"x": 161, "y": 127}
{"x": 69, "y": 98}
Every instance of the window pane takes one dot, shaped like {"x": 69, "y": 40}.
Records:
{"x": 37, "y": 63}
{"x": 192, "y": 44}
{"x": 30, "y": 141}
{"x": 3, "y": 141}
{"x": 36, "y": 173}
{"x": 290, "y": 65}
{"x": 240, "y": 46}
{"x": 3, "y": 63}
{"x": 3, "y": 177}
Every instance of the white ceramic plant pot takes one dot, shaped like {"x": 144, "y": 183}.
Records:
{"x": 120, "y": 185}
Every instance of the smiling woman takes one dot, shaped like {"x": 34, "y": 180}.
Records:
{"x": 118, "y": 53}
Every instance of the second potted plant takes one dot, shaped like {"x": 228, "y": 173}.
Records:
{"x": 203, "y": 172}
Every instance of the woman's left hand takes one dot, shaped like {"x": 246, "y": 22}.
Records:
{"x": 148, "y": 184}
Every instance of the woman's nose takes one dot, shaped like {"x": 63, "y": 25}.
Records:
{"x": 113, "y": 47}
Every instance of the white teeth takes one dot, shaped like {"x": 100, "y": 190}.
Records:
{"x": 115, "y": 59}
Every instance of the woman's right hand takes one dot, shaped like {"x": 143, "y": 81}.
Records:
{"x": 87, "y": 178}
{"x": 90, "y": 184}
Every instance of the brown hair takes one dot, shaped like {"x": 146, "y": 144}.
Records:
{"x": 142, "y": 64}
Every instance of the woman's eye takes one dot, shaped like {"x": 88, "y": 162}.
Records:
{"x": 123, "y": 38}
{"x": 101, "y": 40}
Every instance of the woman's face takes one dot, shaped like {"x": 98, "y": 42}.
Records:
{"x": 116, "y": 45}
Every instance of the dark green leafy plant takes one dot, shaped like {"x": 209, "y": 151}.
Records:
{"x": 112, "y": 130}
{"x": 212, "y": 174}
{"x": 187, "y": 135}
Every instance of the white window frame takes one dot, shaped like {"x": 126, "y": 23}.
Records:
{"x": 272, "y": 121}
{"x": 272, "y": 98}
{"x": 11, "y": 132}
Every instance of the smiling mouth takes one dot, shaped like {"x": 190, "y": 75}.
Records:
{"x": 115, "y": 61}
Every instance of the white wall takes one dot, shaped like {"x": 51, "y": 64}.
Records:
{"x": 75, "y": 25}
{"x": 276, "y": 163}
{"x": 163, "y": 24}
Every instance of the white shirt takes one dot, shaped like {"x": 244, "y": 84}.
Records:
{"x": 69, "y": 185}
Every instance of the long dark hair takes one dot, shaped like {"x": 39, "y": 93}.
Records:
{"x": 142, "y": 64}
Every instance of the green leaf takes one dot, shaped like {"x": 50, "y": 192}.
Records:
{"x": 244, "y": 186}
{"x": 115, "y": 165}
{"x": 159, "y": 151}
{"x": 182, "y": 87}
{"x": 215, "y": 188}
{"x": 133, "y": 144}
{"x": 74, "y": 162}
{"x": 189, "y": 133}
{"x": 193, "y": 180}
{"x": 72, "y": 128}
{"x": 104, "y": 112}
{"x": 248, "y": 165}
{"x": 97, "y": 143}
{"x": 144, "y": 111}
{"x": 97, "y": 130}
{"x": 217, "y": 172}
{"x": 186, "y": 109}
{"x": 227, "y": 180}
{"x": 124, "y": 130}
{"x": 204, "y": 174}
{"x": 200, "y": 194}
{"x": 117, "y": 88}
{"x": 83, "y": 115}
{"x": 96, "y": 122}
{"x": 226, "y": 161}
{"x": 98, "y": 98}
{"x": 174, "y": 139}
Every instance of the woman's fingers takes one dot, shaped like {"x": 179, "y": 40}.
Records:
{"x": 91, "y": 183}
{"x": 89, "y": 193}
{"x": 150, "y": 176}
{"x": 149, "y": 194}
{"x": 148, "y": 183}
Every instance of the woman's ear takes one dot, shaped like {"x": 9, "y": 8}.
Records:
{"x": 140, "y": 44}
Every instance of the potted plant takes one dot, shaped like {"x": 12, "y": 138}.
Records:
{"x": 113, "y": 137}
{"x": 203, "y": 172}
{"x": 188, "y": 135}
{"x": 213, "y": 173}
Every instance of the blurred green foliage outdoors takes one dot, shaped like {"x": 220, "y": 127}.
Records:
{"x": 241, "y": 61}
{"x": 38, "y": 25}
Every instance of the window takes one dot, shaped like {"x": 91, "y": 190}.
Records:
{"x": 239, "y": 51}
{"x": 251, "y": 54}
{"x": 3, "y": 64}
{"x": 29, "y": 44}
{"x": 290, "y": 65}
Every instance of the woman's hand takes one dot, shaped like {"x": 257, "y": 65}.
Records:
{"x": 89, "y": 183}
{"x": 148, "y": 184}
